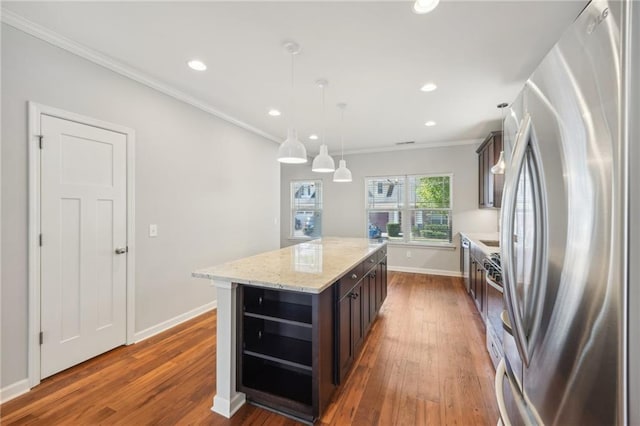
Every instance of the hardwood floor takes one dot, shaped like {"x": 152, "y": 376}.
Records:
{"x": 424, "y": 363}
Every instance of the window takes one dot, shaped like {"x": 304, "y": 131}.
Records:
{"x": 385, "y": 203}
{"x": 410, "y": 209}
{"x": 306, "y": 209}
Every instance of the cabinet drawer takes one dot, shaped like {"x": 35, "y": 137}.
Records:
{"x": 371, "y": 260}
{"x": 350, "y": 279}
{"x": 381, "y": 254}
{"x": 370, "y": 263}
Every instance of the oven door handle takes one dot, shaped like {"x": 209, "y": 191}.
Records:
{"x": 492, "y": 283}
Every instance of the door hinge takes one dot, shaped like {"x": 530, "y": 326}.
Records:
{"x": 40, "y": 240}
{"x": 40, "y": 137}
{"x": 41, "y": 337}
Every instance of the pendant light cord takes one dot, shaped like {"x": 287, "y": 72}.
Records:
{"x": 324, "y": 119}
{"x": 291, "y": 121}
{"x": 342, "y": 134}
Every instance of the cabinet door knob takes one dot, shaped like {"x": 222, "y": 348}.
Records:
{"x": 354, "y": 276}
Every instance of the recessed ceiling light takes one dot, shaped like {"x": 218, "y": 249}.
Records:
{"x": 197, "y": 65}
{"x": 429, "y": 87}
{"x": 430, "y": 123}
{"x": 274, "y": 112}
{"x": 424, "y": 6}
{"x": 313, "y": 137}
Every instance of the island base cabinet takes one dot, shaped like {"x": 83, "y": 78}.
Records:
{"x": 356, "y": 310}
{"x": 351, "y": 328}
{"x": 285, "y": 350}
{"x": 295, "y": 348}
{"x": 272, "y": 383}
{"x": 381, "y": 284}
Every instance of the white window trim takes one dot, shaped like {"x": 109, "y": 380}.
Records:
{"x": 292, "y": 209}
{"x": 406, "y": 211}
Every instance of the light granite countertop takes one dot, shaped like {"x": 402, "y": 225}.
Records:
{"x": 477, "y": 237}
{"x": 309, "y": 267}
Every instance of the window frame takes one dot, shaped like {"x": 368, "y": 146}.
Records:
{"x": 406, "y": 210}
{"x": 293, "y": 208}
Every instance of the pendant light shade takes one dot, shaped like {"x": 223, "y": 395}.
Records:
{"x": 342, "y": 174}
{"x": 292, "y": 151}
{"x": 498, "y": 168}
{"x": 323, "y": 163}
{"x": 424, "y": 6}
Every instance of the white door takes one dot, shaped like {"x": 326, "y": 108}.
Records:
{"x": 83, "y": 225}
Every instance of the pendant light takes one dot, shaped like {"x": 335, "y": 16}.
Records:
{"x": 292, "y": 151}
{"x": 323, "y": 163}
{"x": 498, "y": 168}
{"x": 342, "y": 174}
{"x": 424, "y": 6}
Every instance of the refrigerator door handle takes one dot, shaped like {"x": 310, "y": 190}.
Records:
{"x": 512, "y": 175}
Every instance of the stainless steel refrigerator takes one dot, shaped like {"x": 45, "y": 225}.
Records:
{"x": 569, "y": 238}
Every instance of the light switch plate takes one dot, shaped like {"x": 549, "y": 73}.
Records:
{"x": 153, "y": 230}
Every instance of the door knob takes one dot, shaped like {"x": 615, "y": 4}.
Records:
{"x": 122, "y": 250}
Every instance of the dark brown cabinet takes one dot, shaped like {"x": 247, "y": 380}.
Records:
{"x": 294, "y": 348}
{"x": 381, "y": 284}
{"x": 285, "y": 349}
{"x": 357, "y": 308}
{"x": 490, "y": 186}
{"x": 351, "y": 329}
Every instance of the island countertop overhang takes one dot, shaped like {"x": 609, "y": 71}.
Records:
{"x": 309, "y": 267}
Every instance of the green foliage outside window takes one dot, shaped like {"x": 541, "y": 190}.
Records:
{"x": 433, "y": 192}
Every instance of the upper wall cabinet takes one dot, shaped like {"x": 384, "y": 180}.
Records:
{"x": 489, "y": 185}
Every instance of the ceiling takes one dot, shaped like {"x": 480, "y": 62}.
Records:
{"x": 375, "y": 55}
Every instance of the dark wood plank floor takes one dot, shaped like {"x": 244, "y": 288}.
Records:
{"x": 424, "y": 363}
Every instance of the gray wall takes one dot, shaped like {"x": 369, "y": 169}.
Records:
{"x": 212, "y": 188}
{"x": 344, "y": 203}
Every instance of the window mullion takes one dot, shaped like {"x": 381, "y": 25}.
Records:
{"x": 406, "y": 221}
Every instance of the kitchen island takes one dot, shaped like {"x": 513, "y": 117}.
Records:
{"x": 291, "y": 322}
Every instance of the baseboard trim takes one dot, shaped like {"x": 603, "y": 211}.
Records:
{"x": 166, "y": 325}
{"x": 228, "y": 408}
{"x": 14, "y": 390}
{"x": 426, "y": 271}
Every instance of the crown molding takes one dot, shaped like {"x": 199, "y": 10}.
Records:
{"x": 396, "y": 148}
{"x": 20, "y": 23}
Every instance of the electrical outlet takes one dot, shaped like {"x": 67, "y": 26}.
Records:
{"x": 153, "y": 230}
{"x": 409, "y": 254}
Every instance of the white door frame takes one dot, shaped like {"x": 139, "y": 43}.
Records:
{"x": 35, "y": 111}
